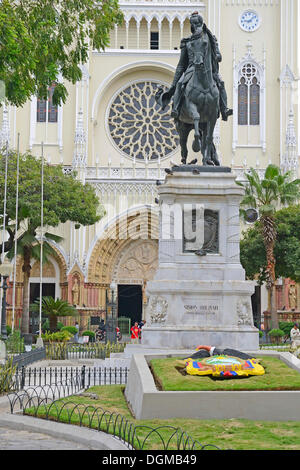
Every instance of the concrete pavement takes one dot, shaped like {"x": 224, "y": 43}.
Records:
{"x": 18, "y": 432}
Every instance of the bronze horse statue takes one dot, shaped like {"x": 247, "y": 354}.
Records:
{"x": 199, "y": 92}
{"x": 200, "y": 105}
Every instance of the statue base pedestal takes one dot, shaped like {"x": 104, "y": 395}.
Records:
{"x": 199, "y": 294}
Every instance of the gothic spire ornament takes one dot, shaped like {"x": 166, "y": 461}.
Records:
{"x": 79, "y": 156}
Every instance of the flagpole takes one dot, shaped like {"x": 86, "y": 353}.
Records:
{"x": 40, "y": 341}
{"x": 16, "y": 238}
{"x": 4, "y": 218}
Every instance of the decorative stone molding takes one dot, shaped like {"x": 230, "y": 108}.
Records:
{"x": 138, "y": 262}
{"x": 158, "y": 310}
{"x": 244, "y": 312}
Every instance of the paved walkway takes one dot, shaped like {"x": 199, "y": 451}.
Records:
{"x": 18, "y": 432}
{"x": 12, "y": 439}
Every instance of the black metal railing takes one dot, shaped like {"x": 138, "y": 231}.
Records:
{"x": 89, "y": 376}
{"x": 41, "y": 395}
{"x": 29, "y": 357}
{"x": 46, "y": 403}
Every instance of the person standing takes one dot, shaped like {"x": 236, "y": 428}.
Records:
{"x": 295, "y": 336}
{"x": 135, "y": 332}
{"x": 76, "y": 336}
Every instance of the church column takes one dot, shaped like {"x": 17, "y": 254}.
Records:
{"x": 149, "y": 33}
{"x": 116, "y": 36}
{"x": 181, "y": 27}
{"x": 138, "y": 23}
{"x": 127, "y": 33}
{"x": 170, "y": 33}
{"x": 159, "y": 34}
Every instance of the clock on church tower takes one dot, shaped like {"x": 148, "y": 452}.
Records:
{"x": 249, "y": 20}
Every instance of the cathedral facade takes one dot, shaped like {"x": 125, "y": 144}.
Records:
{"x": 112, "y": 133}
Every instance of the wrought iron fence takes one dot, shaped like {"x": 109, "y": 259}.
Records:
{"x": 29, "y": 357}
{"x": 46, "y": 402}
{"x": 89, "y": 376}
{"x": 43, "y": 394}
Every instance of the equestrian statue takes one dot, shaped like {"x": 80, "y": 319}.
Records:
{"x": 198, "y": 92}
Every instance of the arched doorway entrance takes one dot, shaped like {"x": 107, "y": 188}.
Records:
{"x": 127, "y": 261}
{"x": 136, "y": 266}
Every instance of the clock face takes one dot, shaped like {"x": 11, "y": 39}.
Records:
{"x": 249, "y": 20}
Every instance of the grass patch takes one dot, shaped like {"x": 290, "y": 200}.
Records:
{"x": 168, "y": 375}
{"x": 237, "y": 434}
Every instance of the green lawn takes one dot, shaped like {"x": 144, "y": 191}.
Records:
{"x": 236, "y": 434}
{"x": 278, "y": 376}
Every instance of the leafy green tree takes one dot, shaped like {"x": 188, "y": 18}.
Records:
{"x": 286, "y": 250}
{"x": 267, "y": 195}
{"x": 65, "y": 199}
{"x": 54, "y": 308}
{"x": 42, "y": 40}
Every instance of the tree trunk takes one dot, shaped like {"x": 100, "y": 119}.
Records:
{"x": 274, "y": 315}
{"x": 269, "y": 234}
{"x": 53, "y": 323}
{"x": 26, "y": 270}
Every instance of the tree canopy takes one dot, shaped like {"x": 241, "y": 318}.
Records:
{"x": 44, "y": 40}
{"x": 286, "y": 250}
{"x": 65, "y": 197}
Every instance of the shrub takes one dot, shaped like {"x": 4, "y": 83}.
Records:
{"x": 70, "y": 329}
{"x": 286, "y": 326}
{"x": 14, "y": 343}
{"x": 59, "y": 336}
{"x": 7, "y": 372}
{"x": 277, "y": 334}
{"x": 91, "y": 334}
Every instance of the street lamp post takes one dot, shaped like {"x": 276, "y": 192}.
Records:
{"x": 5, "y": 271}
{"x": 111, "y": 313}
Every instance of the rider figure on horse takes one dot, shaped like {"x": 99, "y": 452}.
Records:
{"x": 186, "y": 65}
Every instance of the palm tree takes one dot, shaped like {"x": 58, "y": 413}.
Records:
{"x": 54, "y": 309}
{"x": 29, "y": 247}
{"x": 266, "y": 195}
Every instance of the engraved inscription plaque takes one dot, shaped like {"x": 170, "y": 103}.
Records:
{"x": 202, "y": 307}
{"x": 192, "y": 224}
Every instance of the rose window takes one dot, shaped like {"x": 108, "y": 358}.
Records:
{"x": 138, "y": 125}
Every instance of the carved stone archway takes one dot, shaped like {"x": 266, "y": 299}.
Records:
{"x": 138, "y": 263}
{"x": 110, "y": 252}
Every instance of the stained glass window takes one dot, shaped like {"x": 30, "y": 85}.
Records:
{"x": 138, "y": 126}
{"x": 243, "y": 103}
{"x": 52, "y": 109}
{"x": 248, "y": 96}
{"x": 42, "y": 108}
{"x": 254, "y": 103}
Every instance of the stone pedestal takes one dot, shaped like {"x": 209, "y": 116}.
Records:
{"x": 199, "y": 294}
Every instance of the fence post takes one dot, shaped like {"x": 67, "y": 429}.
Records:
{"x": 83, "y": 376}
{"x": 22, "y": 377}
